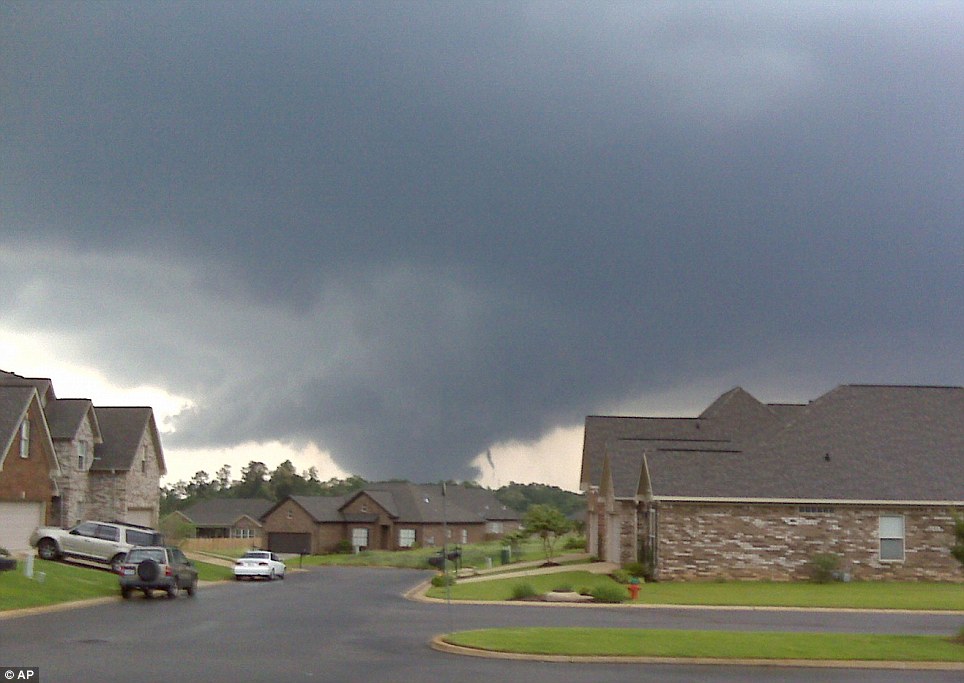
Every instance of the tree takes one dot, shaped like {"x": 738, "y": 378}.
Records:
{"x": 957, "y": 550}
{"x": 253, "y": 482}
{"x": 549, "y": 523}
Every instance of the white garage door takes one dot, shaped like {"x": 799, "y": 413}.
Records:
{"x": 141, "y": 516}
{"x": 17, "y": 522}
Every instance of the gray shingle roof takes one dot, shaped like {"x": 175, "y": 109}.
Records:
{"x": 225, "y": 511}
{"x": 887, "y": 443}
{"x": 65, "y": 415}
{"x": 413, "y": 503}
{"x": 122, "y": 429}
{"x": 14, "y": 402}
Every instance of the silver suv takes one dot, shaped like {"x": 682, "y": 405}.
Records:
{"x": 157, "y": 568}
{"x": 106, "y": 542}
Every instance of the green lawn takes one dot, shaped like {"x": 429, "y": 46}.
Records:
{"x": 68, "y": 583}
{"x": 711, "y": 644}
{"x": 854, "y": 595}
{"x": 474, "y": 555}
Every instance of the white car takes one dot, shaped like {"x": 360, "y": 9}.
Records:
{"x": 259, "y": 564}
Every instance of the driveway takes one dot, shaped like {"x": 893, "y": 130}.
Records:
{"x": 348, "y": 624}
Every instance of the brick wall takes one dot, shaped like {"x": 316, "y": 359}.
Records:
{"x": 28, "y": 479}
{"x": 775, "y": 542}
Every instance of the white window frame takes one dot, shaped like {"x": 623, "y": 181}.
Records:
{"x": 25, "y": 438}
{"x": 82, "y": 455}
{"x": 359, "y": 533}
{"x": 465, "y": 536}
{"x": 406, "y": 538}
{"x": 888, "y": 530}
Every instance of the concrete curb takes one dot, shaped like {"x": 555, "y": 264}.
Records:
{"x": 438, "y": 644}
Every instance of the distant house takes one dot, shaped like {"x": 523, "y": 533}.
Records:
{"x": 754, "y": 491}
{"x": 107, "y": 461}
{"x": 387, "y": 516}
{"x": 227, "y": 518}
{"x": 28, "y": 467}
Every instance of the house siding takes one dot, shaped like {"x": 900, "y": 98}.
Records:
{"x": 28, "y": 479}
{"x": 776, "y": 542}
{"x": 113, "y": 495}
{"x": 74, "y": 483}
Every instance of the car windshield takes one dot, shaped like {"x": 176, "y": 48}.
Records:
{"x": 252, "y": 555}
{"x": 140, "y": 554}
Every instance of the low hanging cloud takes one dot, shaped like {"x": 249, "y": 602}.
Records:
{"x": 406, "y": 234}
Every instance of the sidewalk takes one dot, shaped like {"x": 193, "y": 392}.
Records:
{"x": 535, "y": 567}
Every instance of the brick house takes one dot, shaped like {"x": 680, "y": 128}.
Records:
{"x": 227, "y": 518}
{"x": 108, "y": 461}
{"x": 748, "y": 490}
{"x": 28, "y": 466}
{"x": 387, "y": 516}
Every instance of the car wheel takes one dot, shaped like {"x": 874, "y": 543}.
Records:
{"x": 47, "y": 549}
{"x": 192, "y": 588}
{"x": 237, "y": 577}
{"x": 126, "y": 593}
{"x": 172, "y": 591}
{"x": 281, "y": 576}
{"x": 271, "y": 575}
{"x": 115, "y": 562}
{"x": 147, "y": 593}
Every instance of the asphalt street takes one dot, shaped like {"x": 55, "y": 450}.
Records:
{"x": 348, "y": 624}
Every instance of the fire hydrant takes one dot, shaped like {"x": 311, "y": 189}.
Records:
{"x": 633, "y": 589}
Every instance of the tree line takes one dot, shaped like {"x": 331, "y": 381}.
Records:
{"x": 258, "y": 481}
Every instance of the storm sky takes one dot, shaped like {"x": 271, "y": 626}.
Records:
{"x": 405, "y": 233}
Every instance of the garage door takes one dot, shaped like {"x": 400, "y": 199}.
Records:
{"x": 141, "y": 516}
{"x": 17, "y": 522}
{"x": 288, "y": 542}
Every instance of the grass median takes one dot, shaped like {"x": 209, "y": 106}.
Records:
{"x": 613, "y": 642}
{"x": 852, "y": 595}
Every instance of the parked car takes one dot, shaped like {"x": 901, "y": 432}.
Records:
{"x": 259, "y": 563}
{"x": 106, "y": 542}
{"x": 157, "y": 568}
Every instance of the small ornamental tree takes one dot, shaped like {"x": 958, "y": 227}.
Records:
{"x": 548, "y": 523}
{"x": 957, "y": 550}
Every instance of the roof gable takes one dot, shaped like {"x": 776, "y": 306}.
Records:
{"x": 123, "y": 429}
{"x": 66, "y": 415}
{"x": 15, "y": 403}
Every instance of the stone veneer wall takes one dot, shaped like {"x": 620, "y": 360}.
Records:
{"x": 73, "y": 481}
{"x": 111, "y": 496}
{"x": 756, "y": 541}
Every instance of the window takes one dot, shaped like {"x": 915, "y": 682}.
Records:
{"x": 406, "y": 538}
{"x": 465, "y": 536}
{"x": 494, "y": 527}
{"x": 359, "y": 537}
{"x": 242, "y": 533}
{"x": 107, "y": 533}
{"x": 25, "y": 438}
{"x": 82, "y": 455}
{"x": 891, "y": 538}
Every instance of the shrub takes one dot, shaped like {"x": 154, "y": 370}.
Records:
{"x": 823, "y": 567}
{"x": 4, "y": 552}
{"x": 574, "y": 543}
{"x": 637, "y": 569}
{"x": 609, "y": 593}
{"x": 343, "y": 547}
{"x": 441, "y": 580}
{"x": 522, "y": 591}
{"x": 621, "y": 576}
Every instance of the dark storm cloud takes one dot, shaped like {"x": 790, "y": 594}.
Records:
{"x": 414, "y": 230}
